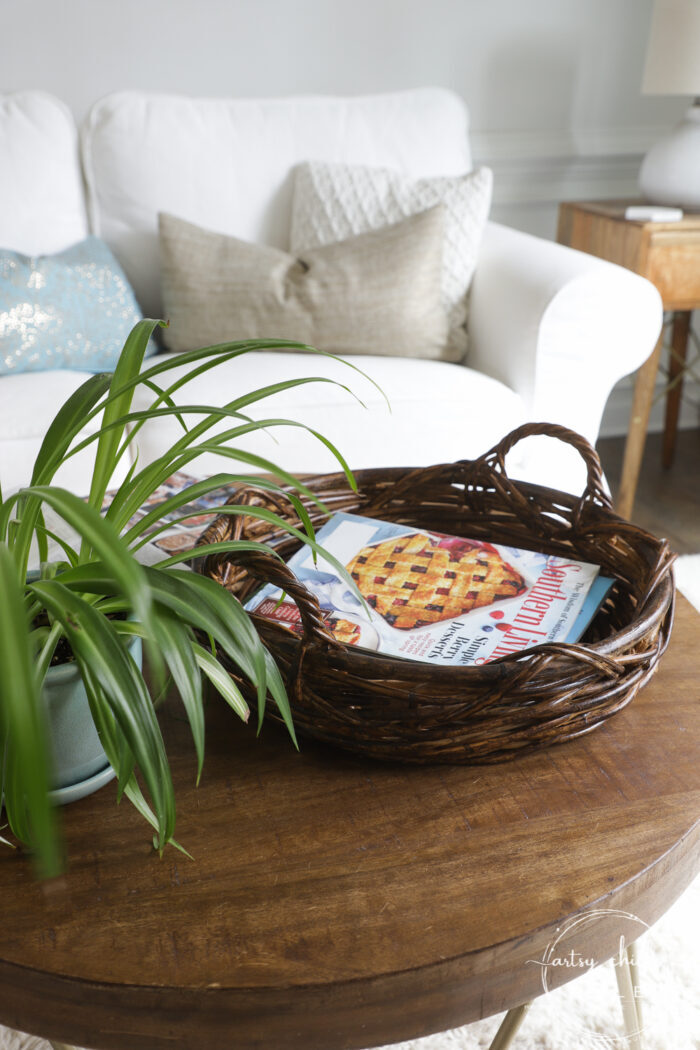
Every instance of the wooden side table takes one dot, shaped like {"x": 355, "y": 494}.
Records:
{"x": 668, "y": 254}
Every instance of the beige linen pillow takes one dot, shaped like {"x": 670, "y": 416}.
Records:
{"x": 333, "y": 201}
{"x": 377, "y": 293}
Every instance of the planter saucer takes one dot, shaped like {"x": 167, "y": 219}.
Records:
{"x": 72, "y": 792}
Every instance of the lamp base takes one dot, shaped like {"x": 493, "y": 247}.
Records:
{"x": 670, "y": 172}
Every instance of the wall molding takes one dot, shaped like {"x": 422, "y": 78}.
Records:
{"x": 590, "y": 142}
{"x": 543, "y": 168}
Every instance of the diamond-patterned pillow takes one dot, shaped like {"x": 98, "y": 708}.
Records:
{"x": 335, "y": 201}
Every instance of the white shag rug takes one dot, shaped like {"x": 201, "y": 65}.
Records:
{"x": 586, "y": 1014}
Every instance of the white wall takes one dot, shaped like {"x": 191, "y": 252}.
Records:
{"x": 553, "y": 86}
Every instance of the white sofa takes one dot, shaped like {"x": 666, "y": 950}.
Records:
{"x": 550, "y": 330}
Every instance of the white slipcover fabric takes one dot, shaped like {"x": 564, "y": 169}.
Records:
{"x": 42, "y": 204}
{"x": 226, "y": 164}
{"x": 437, "y": 411}
{"x": 28, "y": 403}
{"x": 562, "y": 328}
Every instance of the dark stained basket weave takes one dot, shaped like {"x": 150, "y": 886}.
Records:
{"x": 392, "y": 708}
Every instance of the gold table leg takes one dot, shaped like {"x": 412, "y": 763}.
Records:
{"x": 633, "y": 959}
{"x": 627, "y": 975}
{"x": 509, "y": 1027}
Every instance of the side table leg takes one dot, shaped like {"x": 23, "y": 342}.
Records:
{"x": 676, "y": 368}
{"x": 637, "y": 432}
{"x": 509, "y": 1027}
{"x": 633, "y": 959}
{"x": 628, "y": 987}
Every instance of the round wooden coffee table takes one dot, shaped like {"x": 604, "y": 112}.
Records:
{"x": 333, "y": 902}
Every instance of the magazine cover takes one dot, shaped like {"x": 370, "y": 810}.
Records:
{"x": 427, "y": 596}
{"x": 178, "y": 530}
{"x": 173, "y": 532}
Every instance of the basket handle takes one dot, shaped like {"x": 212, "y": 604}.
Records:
{"x": 594, "y": 491}
{"x": 264, "y": 566}
{"x": 269, "y": 569}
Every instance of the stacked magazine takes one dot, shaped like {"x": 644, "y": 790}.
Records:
{"x": 423, "y": 595}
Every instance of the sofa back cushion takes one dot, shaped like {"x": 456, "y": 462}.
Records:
{"x": 42, "y": 204}
{"x": 226, "y": 164}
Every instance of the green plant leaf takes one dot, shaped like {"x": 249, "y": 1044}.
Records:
{"x": 197, "y": 602}
{"x": 118, "y": 753}
{"x": 98, "y": 650}
{"x": 222, "y": 681}
{"x": 22, "y": 729}
{"x": 116, "y": 419}
{"x": 211, "y": 356}
{"x": 175, "y": 642}
{"x": 112, "y": 745}
{"x": 265, "y": 674}
{"x": 129, "y": 500}
{"x": 70, "y": 553}
{"x": 68, "y": 422}
{"x": 117, "y": 404}
{"x": 101, "y": 537}
{"x": 203, "y": 551}
{"x": 208, "y": 607}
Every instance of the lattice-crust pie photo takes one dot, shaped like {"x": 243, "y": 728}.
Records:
{"x": 416, "y": 580}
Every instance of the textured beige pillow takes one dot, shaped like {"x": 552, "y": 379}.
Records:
{"x": 377, "y": 293}
{"x": 333, "y": 201}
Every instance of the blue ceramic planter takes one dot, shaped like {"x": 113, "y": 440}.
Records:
{"x": 79, "y": 763}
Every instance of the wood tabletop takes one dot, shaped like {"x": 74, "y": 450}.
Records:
{"x": 615, "y": 209}
{"x": 333, "y": 902}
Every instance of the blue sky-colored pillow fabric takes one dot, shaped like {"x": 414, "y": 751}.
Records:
{"x": 69, "y": 310}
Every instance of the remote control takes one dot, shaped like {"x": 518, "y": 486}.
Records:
{"x": 653, "y": 213}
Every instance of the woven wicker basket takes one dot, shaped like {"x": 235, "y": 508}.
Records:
{"x": 398, "y": 709}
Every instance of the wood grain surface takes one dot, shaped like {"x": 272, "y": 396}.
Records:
{"x": 335, "y": 902}
{"x": 664, "y": 252}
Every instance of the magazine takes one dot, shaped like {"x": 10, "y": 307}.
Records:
{"x": 179, "y": 530}
{"x": 427, "y": 596}
{"x": 173, "y": 533}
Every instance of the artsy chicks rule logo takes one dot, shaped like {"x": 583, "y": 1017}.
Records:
{"x": 568, "y": 956}
{"x": 562, "y": 952}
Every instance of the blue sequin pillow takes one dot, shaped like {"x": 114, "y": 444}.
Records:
{"x": 69, "y": 310}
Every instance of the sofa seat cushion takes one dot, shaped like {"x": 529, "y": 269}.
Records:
{"x": 41, "y": 183}
{"x": 29, "y": 402}
{"x": 439, "y": 412}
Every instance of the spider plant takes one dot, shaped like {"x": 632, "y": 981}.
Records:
{"x": 97, "y": 594}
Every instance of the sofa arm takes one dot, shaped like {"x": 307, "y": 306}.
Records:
{"x": 559, "y": 327}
